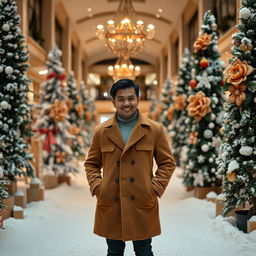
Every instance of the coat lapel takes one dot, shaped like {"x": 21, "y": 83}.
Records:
{"x": 113, "y": 132}
{"x": 137, "y": 133}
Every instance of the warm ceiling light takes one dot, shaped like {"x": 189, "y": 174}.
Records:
{"x": 43, "y": 72}
{"x": 160, "y": 10}
{"x": 123, "y": 35}
{"x": 123, "y": 69}
{"x": 158, "y": 16}
{"x": 89, "y": 9}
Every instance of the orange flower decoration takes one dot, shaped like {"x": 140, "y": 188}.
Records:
{"x": 84, "y": 107}
{"x": 79, "y": 110}
{"x": 156, "y": 115}
{"x": 60, "y": 157}
{"x": 58, "y": 111}
{"x": 202, "y": 42}
{"x": 160, "y": 107}
{"x": 74, "y": 130}
{"x": 69, "y": 103}
{"x": 237, "y": 94}
{"x": 180, "y": 102}
{"x": 231, "y": 176}
{"x": 193, "y": 138}
{"x": 166, "y": 100}
{"x": 80, "y": 140}
{"x": 238, "y": 71}
{"x": 88, "y": 116}
{"x": 199, "y": 106}
{"x": 170, "y": 112}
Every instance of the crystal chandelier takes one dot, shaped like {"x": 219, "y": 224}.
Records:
{"x": 123, "y": 68}
{"x": 124, "y": 37}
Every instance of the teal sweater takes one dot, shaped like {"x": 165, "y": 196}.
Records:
{"x": 126, "y": 125}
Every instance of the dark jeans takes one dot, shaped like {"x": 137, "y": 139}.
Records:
{"x": 141, "y": 247}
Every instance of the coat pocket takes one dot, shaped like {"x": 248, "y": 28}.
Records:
{"x": 144, "y": 147}
{"x": 107, "y": 148}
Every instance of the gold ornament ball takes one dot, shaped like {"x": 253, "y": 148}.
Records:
{"x": 231, "y": 176}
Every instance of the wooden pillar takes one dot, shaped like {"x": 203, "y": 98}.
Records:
{"x": 23, "y": 12}
{"x": 78, "y": 62}
{"x": 48, "y": 24}
{"x": 169, "y": 57}
{"x": 66, "y": 53}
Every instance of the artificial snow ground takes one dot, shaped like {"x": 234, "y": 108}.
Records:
{"x": 62, "y": 226}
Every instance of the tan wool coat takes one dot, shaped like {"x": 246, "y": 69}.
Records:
{"x": 121, "y": 176}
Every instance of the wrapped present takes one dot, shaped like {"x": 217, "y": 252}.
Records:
{"x": 18, "y": 212}
{"x": 7, "y": 212}
{"x": 251, "y": 224}
{"x": 35, "y": 194}
{"x": 20, "y": 199}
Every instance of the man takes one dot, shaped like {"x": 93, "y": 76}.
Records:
{"x": 126, "y": 189}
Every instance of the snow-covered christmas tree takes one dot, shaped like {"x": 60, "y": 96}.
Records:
{"x": 53, "y": 124}
{"x": 237, "y": 161}
{"x": 88, "y": 117}
{"x": 14, "y": 107}
{"x": 165, "y": 109}
{"x": 178, "y": 125}
{"x": 75, "y": 116}
{"x": 153, "y": 105}
{"x": 3, "y": 192}
{"x": 204, "y": 109}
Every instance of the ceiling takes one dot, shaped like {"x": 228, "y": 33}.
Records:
{"x": 86, "y": 20}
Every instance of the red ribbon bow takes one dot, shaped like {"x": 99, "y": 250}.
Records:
{"x": 54, "y": 74}
{"x": 49, "y": 139}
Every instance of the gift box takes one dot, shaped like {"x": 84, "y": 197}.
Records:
{"x": 211, "y": 197}
{"x": 35, "y": 194}
{"x": 35, "y": 183}
{"x": 18, "y": 212}
{"x": 20, "y": 199}
{"x": 64, "y": 179}
{"x": 201, "y": 192}
{"x": 220, "y": 207}
{"x": 11, "y": 187}
{"x": 1, "y": 221}
{"x": 50, "y": 181}
{"x": 7, "y": 212}
{"x": 251, "y": 224}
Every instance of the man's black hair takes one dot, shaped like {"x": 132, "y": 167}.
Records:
{"x": 123, "y": 84}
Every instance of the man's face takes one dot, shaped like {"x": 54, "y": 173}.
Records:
{"x": 126, "y": 102}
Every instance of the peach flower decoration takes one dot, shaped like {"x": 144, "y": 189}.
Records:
{"x": 237, "y": 94}
{"x": 202, "y": 42}
{"x": 74, "y": 130}
{"x": 80, "y": 140}
{"x": 238, "y": 71}
{"x": 193, "y": 138}
{"x": 60, "y": 157}
{"x": 170, "y": 112}
{"x": 180, "y": 102}
{"x": 166, "y": 100}
{"x": 199, "y": 106}
{"x": 79, "y": 110}
{"x": 58, "y": 111}
{"x": 88, "y": 116}
{"x": 69, "y": 103}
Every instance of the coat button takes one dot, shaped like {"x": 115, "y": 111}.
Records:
{"x": 133, "y": 198}
{"x": 117, "y": 180}
{"x": 116, "y": 198}
{"x": 118, "y": 162}
{"x": 131, "y": 179}
{"x": 133, "y": 162}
